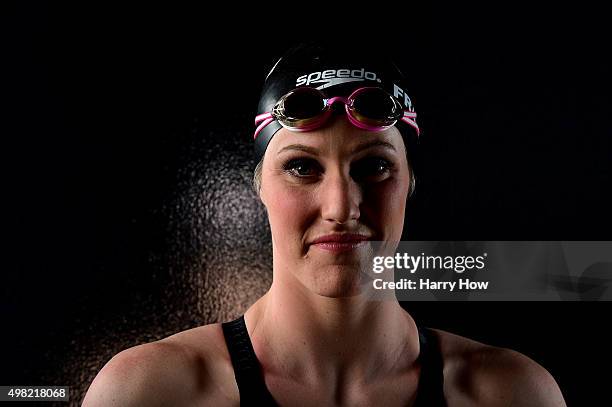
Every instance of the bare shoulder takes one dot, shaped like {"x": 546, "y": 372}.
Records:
{"x": 189, "y": 368}
{"x": 480, "y": 374}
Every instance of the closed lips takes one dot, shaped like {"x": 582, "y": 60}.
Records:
{"x": 341, "y": 238}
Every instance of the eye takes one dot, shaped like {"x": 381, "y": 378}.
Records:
{"x": 302, "y": 167}
{"x": 371, "y": 168}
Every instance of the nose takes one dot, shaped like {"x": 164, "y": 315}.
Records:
{"x": 340, "y": 197}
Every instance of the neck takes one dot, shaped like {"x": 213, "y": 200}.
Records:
{"x": 307, "y": 336}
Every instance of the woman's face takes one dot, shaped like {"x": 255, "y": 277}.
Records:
{"x": 336, "y": 179}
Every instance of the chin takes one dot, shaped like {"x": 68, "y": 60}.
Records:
{"x": 336, "y": 281}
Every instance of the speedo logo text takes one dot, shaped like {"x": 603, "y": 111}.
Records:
{"x": 333, "y": 77}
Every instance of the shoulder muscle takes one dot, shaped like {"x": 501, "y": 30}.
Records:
{"x": 510, "y": 378}
{"x": 152, "y": 374}
{"x": 479, "y": 374}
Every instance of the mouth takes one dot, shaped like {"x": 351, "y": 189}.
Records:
{"x": 337, "y": 243}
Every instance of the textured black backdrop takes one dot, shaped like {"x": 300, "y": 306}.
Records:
{"x": 127, "y": 164}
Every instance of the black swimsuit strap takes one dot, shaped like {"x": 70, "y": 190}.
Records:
{"x": 247, "y": 370}
{"x": 253, "y": 389}
{"x": 431, "y": 379}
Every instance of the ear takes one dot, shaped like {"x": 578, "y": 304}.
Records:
{"x": 261, "y": 194}
{"x": 257, "y": 182}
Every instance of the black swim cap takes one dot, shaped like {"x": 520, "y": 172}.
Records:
{"x": 337, "y": 69}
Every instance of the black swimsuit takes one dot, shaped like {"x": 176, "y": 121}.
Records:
{"x": 253, "y": 390}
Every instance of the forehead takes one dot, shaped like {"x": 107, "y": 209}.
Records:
{"x": 338, "y": 137}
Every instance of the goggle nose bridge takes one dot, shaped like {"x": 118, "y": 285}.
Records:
{"x": 330, "y": 102}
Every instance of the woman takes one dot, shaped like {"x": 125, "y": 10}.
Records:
{"x": 335, "y": 136}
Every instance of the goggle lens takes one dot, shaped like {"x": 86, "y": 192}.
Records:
{"x": 376, "y": 106}
{"x": 301, "y": 104}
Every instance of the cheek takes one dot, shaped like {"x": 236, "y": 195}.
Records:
{"x": 386, "y": 201}
{"x": 288, "y": 209}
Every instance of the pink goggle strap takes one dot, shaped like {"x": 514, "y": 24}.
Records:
{"x": 409, "y": 118}
{"x": 265, "y": 119}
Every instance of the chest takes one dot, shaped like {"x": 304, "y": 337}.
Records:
{"x": 399, "y": 390}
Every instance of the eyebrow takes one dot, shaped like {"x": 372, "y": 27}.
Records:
{"x": 361, "y": 147}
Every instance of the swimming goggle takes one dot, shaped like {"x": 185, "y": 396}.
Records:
{"x": 306, "y": 108}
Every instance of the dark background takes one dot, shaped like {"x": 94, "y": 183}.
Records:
{"x": 126, "y": 159}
